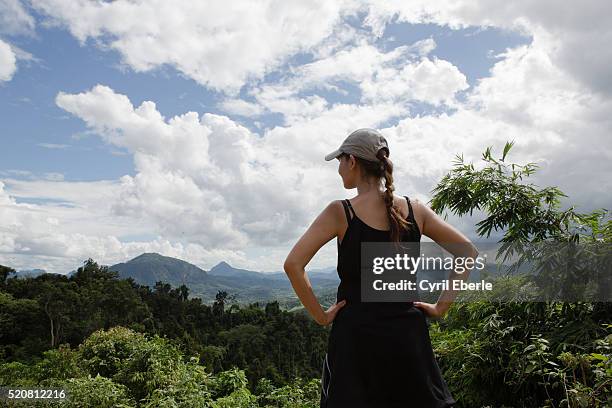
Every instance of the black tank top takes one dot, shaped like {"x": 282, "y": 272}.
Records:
{"x": 349, "y": 250}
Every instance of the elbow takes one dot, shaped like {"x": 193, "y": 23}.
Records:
{"x": 289, "y": 266}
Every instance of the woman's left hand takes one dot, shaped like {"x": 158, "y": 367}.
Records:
{"x": 433, "y": 310}
{"x": 330, "y": 314}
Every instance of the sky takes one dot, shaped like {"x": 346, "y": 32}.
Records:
{"x": 198, "y": 129}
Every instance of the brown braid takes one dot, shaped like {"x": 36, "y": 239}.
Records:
{"x": 396, "y": 222}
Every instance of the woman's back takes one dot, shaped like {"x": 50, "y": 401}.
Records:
{"x": 349, "y": 249}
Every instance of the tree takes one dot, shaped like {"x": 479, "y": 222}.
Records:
{"x": 184, "y": 292}
{"x": 498, "y": 353}
{"x": 58, "y": 301}
{"x": 523, "y": 210}
{"x": 5, "y": 271}
{"x": 528, "y": 215}
{"x": 219, "y": 304}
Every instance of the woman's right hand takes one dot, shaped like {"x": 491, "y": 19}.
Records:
{"x": 433, "y": 310}
{"x": 330, "y": 314}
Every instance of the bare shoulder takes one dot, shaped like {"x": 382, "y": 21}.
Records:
{"x": 329, "y": 220}
{"x": 418, "y": 205}
{"x": 335, "y": 206}
{"x": 336, "y": 210}
{"x": 419, "y": 208}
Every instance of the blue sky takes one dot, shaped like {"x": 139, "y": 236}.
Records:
{"x": 86, "y": 172}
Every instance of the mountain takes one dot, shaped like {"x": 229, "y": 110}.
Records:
{"x": 324, "y": 272}
{"x": 247, "y": 286}
{"x": 29, "y": 273}
{"x": 151, "y": 267}
{"x": 224, "y": 269}
{"x": 328, "y": 273}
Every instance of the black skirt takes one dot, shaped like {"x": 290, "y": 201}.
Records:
{"x": 380, "y": 356}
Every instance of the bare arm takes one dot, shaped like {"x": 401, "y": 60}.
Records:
{"x": 324, "y": 228}
{"x": 453, "y": 241}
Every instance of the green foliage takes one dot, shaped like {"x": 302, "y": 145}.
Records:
{"x": 229, "y": 381}
{"x": 106, "y": 352}
{"x": 97, "y": 392}
{"x": 5, "y": 272}
{"x": 122, "y": 368}
{"x": 190, "y": 386}
{"x": 46, "y": 311}
{"x": 59, "y": 364}
{"x": 213, "y": 356}
{"x": 56, "y": 365}
{"x": 18, "y": 374}
{"x": 501, "y": 353}
{"x": 298, "y": 394}
{"x": 523, "y": 211}
{"x": 18, "y": 318}
{"x": 241, "y": 398}
{"x": 536, "y": 354}
{"x": 142, "y": 365}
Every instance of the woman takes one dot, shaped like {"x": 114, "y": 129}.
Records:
{"x": 379, "y": 354}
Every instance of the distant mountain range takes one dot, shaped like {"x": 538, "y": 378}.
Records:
{"x": 244, "y": 285}
{"x": 247, "y": 286}
{"x": 29, "y": 273}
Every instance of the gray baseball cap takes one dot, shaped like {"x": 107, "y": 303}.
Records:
{"x": 363, "y": 143}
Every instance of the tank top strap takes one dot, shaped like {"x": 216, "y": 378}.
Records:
{"x": 347, "y": 204}
{"x": 410, "y": 212}
{"x": 411, "y": 218}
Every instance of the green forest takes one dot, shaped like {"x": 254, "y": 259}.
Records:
{"x": 111, "y": 342}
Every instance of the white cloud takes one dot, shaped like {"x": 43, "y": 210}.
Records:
{"x": 53, "y": 145}
{"x": 241, "y": 107}
{"x": 552, "y": 117}
{"x": 209, "y": 181}
{"x": 59, "y": 235}
{"x": 54, "y": 176}
{"x": 17, "y": 172}
{"x": 224, "y": 50}
{"x": 54, "y": 229}
{"x": 423, "y": 47}
{"x": 217, "y": 44}
{"x": 399, "y": 76}
{"x": 203, "y": 178}
{"x": 14, "y": 19}
{"x": 578, "y": 34}
{"x": 551, "y": 96}
{"x": 8, "y": 62}
{"x": 433, "y": 81}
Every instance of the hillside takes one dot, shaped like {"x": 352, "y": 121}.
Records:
{"x": 246, "y": 286}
